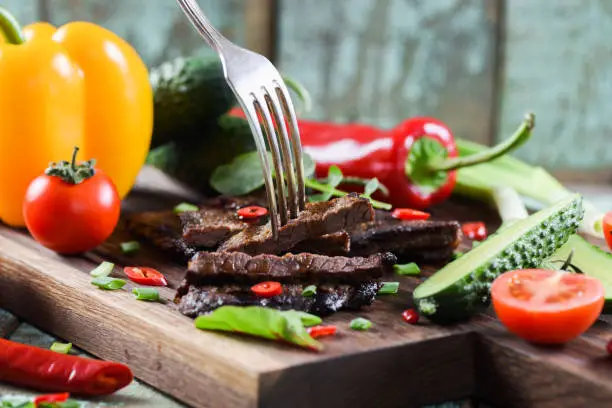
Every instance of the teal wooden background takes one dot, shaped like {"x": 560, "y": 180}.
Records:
{"x": 476, "y": 64}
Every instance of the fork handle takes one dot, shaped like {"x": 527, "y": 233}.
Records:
{"x": 202, "y": 24}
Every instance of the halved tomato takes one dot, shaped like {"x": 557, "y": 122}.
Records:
{"x": 545, "y": 306}
{"x": 607, "y": 228}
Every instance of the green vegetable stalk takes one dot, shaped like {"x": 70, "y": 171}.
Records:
{"x": 534, "y": 184}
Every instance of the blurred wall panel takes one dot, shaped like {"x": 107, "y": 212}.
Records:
{"x": 380, "y": 61}
{"x": 26, "y": 11}
{"x": 158, "y": 29}
{"x": 558, "y": 63}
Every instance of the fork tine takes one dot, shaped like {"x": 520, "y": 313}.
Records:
{"x": 296, "y": 144}
{"x": 277, "y": 113}
{"x": 251, "y": 114}
{"x": 262, "y": 107}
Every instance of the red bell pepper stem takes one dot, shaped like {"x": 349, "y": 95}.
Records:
{"x": 46, "y": 370}
{"x": 520, "y": 136}
{"x": 10, "y": 28}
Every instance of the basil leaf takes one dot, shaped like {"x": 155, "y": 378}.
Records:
{"x": 244, "y": 175}
{"x": 407, "y": 269}
{"x": 371, "y": 187}
{"x": 334, "y": 176}
{"x": 239, "y": 177}
{"x": 261, "y": 322}
{"x": 307, "y": 318}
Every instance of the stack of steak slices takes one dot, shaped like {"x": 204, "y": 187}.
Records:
{"x": 335, "y": 245}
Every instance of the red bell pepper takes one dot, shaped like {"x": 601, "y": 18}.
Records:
{"x": 46, "y": 370}
{"x": 417, "y": 160}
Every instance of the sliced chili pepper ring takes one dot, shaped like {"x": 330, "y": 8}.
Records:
{"x": 267, "y": 289}
{"x": 475, "y": 230}
{"x": 51, "y": 398}
{"x": 321, "y": 331}
{"x": 145, "y": 276}
{"x": 252, "y": 212}
{"x": 407, "y": 214}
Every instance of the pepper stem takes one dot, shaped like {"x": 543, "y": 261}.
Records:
{"x": 10, "y": 28}
{"x": 520, "y": 136}
{"x": 74, "y": 155}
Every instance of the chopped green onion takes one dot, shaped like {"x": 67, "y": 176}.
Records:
{"x": 407, "y": 269}
{"x": 104, "y": 282}
{"x": 63, "y": 348}
{"x": 104, "y": 269}
{"x": 360, "y": 324}
{"x": 389, "y": 288}
{"x": 309, "y": 291}
{"x": 130, "y": 247}
{"x": 150, "y": 294}
{"x": 184, "y": 207}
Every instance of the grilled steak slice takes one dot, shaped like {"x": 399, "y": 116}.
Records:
{"x": 162, "y": 229}
{"x": 210, "y": 226}
{"x": 196, "y": 300}
{"x": 317, "y": 219}
{"x": 223, "y": 267}
{"x": 338, "y": 243}
{"x": 416, "y": 239}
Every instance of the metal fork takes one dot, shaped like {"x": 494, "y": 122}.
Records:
{"x": 260, "y": 89}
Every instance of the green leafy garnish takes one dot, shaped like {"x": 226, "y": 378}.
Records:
{"x": 371, "y": 187}
{"x": 458, "y": 254}
{"x": 309, "y": 291}
{"x": 389, "y": 288}
{"x": 104, "y": 269}
{"x": 104, "y": 282}
{"x": 411, "y": 269}
{"x": 130, "y": 247}
{"x": 360, "y": 324}
{"x": 63, "y": 348}
{"x": 261, "y": 322}
{"x": 150, "y": 294}
{"x": 307, "y": 318}
{"x": 65, "y": 404}
{"x": 185, "y": 207}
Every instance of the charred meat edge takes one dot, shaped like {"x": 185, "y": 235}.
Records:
{"x": 317, "y": 219}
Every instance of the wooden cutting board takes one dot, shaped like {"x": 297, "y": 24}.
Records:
{"x": 392, "y": 365}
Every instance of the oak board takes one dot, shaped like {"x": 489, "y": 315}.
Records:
{"x": 392, "y": 365}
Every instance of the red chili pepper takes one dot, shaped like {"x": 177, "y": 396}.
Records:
{"x": 50, "y": 398}
{"x": 267, "y": 289}
{"x": 252, "y": 212}
{"x": 609, "y": 347}
{"x": 408, "y": 214}
{"x": 145, "y": 276}
{"x": 320, "y": 331}
{"x": 416, "y": 161}
{"x": 475, "y": 230}
{"x": 410, "y": 316}
{"x": 46, "y": 370}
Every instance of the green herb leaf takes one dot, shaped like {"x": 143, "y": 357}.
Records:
{"x": 68, "y": 404}
{"x": 104, "y": 282}
{"x": 371, "y": 187}
{"x": 261, "y": 322}
{"x": 28, "y": 404}
{"x": 63, "y": 348}
{"x": 389, "y": 288}
{"x": 185, "y": 207}
{"x": 307, "y": 318}
{"x": 309, "y": 291}
{"x": 457, "y": 254}
{"x": 360, "y": 324}
{"x": 149, "y": 294}
{"x": 130, "y": 247}
{"x": 411, "y": 269}
{"x": 334, "y": 176}
{"x": 104, "y": 269}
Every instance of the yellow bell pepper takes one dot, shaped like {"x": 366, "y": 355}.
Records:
{"x": 77, "y": 85}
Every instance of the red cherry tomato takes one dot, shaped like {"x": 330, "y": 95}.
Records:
{"x": 267, "y": 289}
{"x": 51, "y": 398}
{"x": 252, "y": 212}
{"x": 476, "y": 231}
{"x": 321, "y": 331}
{"x": 410, "y": 316}
{"x": 71, "y": 218}
{"x": 607, "y": 228}
{"x": 544, "y": 306}
{"x": 408, "y": 214}
{"x": 145, "y": 276}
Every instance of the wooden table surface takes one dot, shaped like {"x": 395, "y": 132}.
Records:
{"x": 141, "y": 395}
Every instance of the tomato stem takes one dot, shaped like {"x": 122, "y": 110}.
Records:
{"x": 10, "y": 28}
{"x": 520, "y": 136}
{"x": 71, "y": 172}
